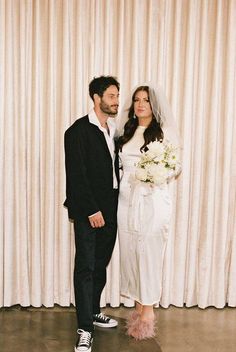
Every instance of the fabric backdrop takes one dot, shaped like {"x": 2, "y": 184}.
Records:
{"x": 49, "y": 51}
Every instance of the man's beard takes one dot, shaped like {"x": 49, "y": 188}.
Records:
{"x": 107, "y": 109}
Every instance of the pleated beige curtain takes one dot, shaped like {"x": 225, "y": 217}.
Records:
{"x": 49, "y": 51}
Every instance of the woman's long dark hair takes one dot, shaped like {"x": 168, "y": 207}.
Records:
{"x": 152, "y": 133}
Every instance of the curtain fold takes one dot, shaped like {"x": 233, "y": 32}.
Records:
{"x": 49, "y": 52}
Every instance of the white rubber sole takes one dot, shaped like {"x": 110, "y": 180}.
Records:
{"x": 89, "y": 350}
{"x": 82, "y": 349}
{"x": 105, "y": 325}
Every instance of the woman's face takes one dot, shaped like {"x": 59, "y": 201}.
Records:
{"x": 142, "y": 107}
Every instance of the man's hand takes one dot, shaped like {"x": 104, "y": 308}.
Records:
{"x": 97, "y": 220}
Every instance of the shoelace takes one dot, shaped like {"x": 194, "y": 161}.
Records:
{"x": 102, "y": 317}
{"x": 85, "y": 337}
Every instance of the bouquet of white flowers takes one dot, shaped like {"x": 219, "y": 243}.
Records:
{"x": 159, "y": 163}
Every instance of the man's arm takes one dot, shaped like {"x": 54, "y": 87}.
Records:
{"x": 78, "y": 189}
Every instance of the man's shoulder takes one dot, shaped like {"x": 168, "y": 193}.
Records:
{"x": 78, "y": 125}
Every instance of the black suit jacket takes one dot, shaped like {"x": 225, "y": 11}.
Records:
{"x": 89, "y": 171}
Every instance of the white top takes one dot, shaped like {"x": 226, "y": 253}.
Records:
{"x": 131, "y": 151}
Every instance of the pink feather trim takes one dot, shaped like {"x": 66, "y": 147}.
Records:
{"x": 141, "y": 330}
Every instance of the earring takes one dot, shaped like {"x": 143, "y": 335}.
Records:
{"x": 134, "y": 117}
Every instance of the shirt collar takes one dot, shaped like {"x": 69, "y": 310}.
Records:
{"x": 110, "y": 122}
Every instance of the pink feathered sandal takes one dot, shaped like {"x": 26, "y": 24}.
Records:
{"x": 131, "y": 322}
{"x": 141, "y": 330}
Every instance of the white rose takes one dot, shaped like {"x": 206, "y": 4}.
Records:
{"x": 156, "y": 149}
{"x": 150, "y": 155}
{"x": 159, "y": 174}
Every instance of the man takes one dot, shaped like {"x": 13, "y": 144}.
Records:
{"x": 91, "y": 199}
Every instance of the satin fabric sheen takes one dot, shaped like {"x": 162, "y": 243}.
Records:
{"x": 143, "y": 220}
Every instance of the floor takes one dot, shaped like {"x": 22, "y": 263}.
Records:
{"x": 179, "y": 329}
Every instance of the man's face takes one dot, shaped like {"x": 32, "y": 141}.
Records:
{"x": 110, "y": 101}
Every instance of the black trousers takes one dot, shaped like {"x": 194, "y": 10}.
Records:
{"x": 93, "y": 252}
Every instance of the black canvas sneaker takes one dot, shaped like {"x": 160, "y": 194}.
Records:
{"x": 85, "y": 340}
{"x": 104, "y": 321}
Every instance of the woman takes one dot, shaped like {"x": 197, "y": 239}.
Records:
{"x": 144, "y": 207}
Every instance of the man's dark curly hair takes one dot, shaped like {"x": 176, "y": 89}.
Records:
{"x": 100, "y": 84}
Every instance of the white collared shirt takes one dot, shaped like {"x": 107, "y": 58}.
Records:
{"x": 109, "y": 138}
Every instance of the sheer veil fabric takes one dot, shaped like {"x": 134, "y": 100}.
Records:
{"x": 161, "y": 110}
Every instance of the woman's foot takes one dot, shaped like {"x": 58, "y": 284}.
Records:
{"x": 147, "y": 314}
{"x": 138, "y": 307}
